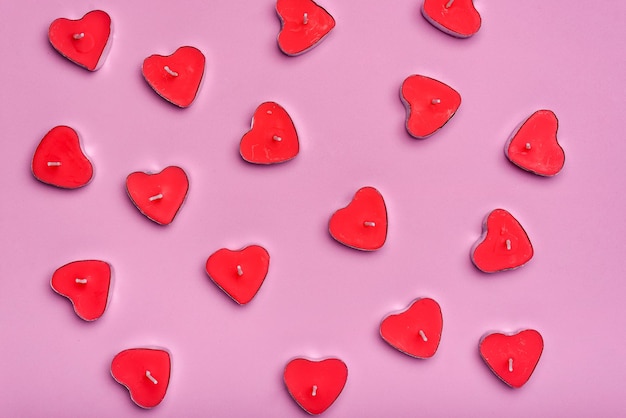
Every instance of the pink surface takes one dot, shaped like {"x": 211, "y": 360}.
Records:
{"x": 320, "y": 298}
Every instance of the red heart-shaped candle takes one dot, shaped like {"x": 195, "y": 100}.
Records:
{"x": 175, "y": 77}
{"x": 240, "y": 273}
{"x": 145, "y": 372}
{"x": 455, "y": 17}
{"x": 504, "y": 244}
{"x": 85, "y": 41}
{"x": 86, "y": 283}
{"x": 60, "y": 161}
{"x": 304, "y": 25}
{"x": 415, "y": 331}
{"x": 315, "y": 384}
{"x": 272, "y": 137}
{"x": 363, "y": 223}
{"x": 429, "y": 104}
{"x": 512, "y": 358}
{"x": 534, "y": 147}
{"x": 158, "y": 196}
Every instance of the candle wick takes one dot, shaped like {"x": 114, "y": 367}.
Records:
{"x": 306, "y": 18}
{"x": 527, "y": 145}
{"x": 510, "y": 365}
{"x": 277, "y": 138}
{"x": 81, "y": 281}
{"x": 239, "y": 270}
{"x": 314, "y": 391}
{"x": 435, "y": 101}
{"x": 369, "y": 223}
{"x": 170, "y": 71}
{"x": 423, "y": 335}
{"x": 156, "y": 197}
{"x": 54, "y": 164}
{"x": 78, "y": 36}
{"x": 449, "y": 3}
{"x": 152, "y": 379}
{"x": 508, "y": 244}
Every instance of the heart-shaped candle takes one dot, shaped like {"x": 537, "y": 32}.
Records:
{"x": 429, "y": 104}
{"x": 175, "y": 77}
{"x": 363, "y": 223}
{"x": 455, "y": 17}
{"x": 86, "y": 283}
{"x": 145, "y": 372}
{"x": 415, "y": 331}
{"x": 304, "y": 25}
{"x": 534, "y": 147}
{"x": 504, "y": 244}
{"x": 272, "y": 137}
{"x": 315, "y": 385}
{"x": 240, "y": 273}
{"x": 60, "y": 161}
{"x": 512, "y": 358}
{"x": 85, "y": 41}
{"x": 158, "y": 196}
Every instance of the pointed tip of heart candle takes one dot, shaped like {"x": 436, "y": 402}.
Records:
{"x": 512, "y": 357}
{"x": 458, "y": 18}
{"x": 85, "y": 41}
{"x": 304, "y": 24}
{"x": 503, "y": 245}
{"x": 533, "y": 146}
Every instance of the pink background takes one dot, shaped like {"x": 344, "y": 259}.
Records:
{"x": 320, "y": 298}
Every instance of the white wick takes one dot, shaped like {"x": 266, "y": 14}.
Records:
{"x": 149, "y": 376}
{"x": 78, "y": 36}
{"x": 239, "y": 270}
{"x": 528, "y": 145}
{"x": 314, "y": 391}
{"x": 435, "y": 101}
{"x": 81, "y": 281}
{"x": 510, "y": 365}
{"x": 54, "y": 164}
{"x": 423, "y": 335}
{"x": 448, "y": 4}
{"x": 156, "y": 197}
{"x": 508, "y": 244}
{"x": 306, "y": 18}
{"x": 277, "y": 138}
{"x": 170, "y": 72}
{"x": 369, "y": 223}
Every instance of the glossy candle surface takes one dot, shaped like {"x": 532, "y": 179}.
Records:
{"x": 84, "y": 41}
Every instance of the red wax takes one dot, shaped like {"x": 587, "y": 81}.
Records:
{"x": 512, "y": 358}
{"x": 240, "y": 273}
{"x": 315, "y": 385}
{"x": 158, "y": 196}
{"x": 175, "y": 77}
{"x": 415, "y": 331}
{"x": 455, "y": 17}
{"x": 534, "y": 147}
{"x": 145, "y": 372}
{"x": 504, "y": 244}
{"x": 272, "y": 137}
{"x": 60, "y": 161}
{"x": 429, "y": 104}
{"x": 363, "y": 223}
{"x": 304, "y": 25}
{"x": 85, "y": 41}
{"x": 86, "y": 283}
